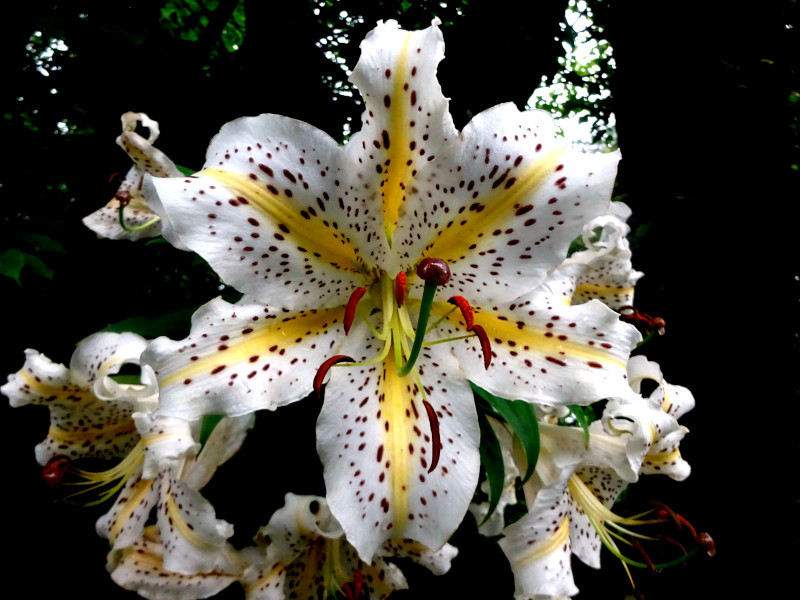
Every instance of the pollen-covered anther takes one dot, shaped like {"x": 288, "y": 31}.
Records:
{"x": 436, "y": 440}
{"x": 55, "y": 469}
{"x": 434, "y": 270}
{"x": 400, "y": 288}
{"x": 324, "y": 368}
{"x": 705, "y": 540}
{"x": 632, "y": 315}
{"x": 352, "y": 590}
{"x": 486, "y": 346}
{"x": 350, "y": 309}
{"x": 466, "y": 310}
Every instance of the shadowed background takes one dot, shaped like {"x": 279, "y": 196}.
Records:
{"x": 706, "y": 117}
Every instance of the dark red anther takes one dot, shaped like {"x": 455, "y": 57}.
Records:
{"x": 466, "y": 310}
{"x": 434, "y": 270}
{"x": 352, "y": 591}
{"x": 123, "y": 197}
{"x": 54, "y": 470}
{"x": 400, "y": 288}
{"x": 486, "y": 347}
{"x": 632, "y": 315}
{"x": 436, "y": 440}
{"x": 647, "y": 559}
{"x": 325, "y": 367}
{"x": 705, "y": 540}
{"x": 350, "y": 309}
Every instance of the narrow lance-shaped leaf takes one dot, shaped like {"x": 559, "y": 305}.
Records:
{"x": 492, "y": 461}
{"x": 521, "y": 417}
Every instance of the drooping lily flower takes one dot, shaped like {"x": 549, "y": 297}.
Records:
{"x": 307, "y": 557}
{"x": 127, "y": 216}
{"x": 352, "y": 260}
{"x": 166, "y": 476}
{"x": 90, "y": 412}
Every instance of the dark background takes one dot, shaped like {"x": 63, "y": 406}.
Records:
{"x": 703, "y": 95}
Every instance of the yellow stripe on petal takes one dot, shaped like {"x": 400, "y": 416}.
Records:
{"x": 555, "y": 346}
{"x": 396, "y": 142}
{"x": 495, "y": 210}
{"x": 275, "y": 336}
{"x": 395, "y": 406}
{"x": 549, "y": 545}
{"x": 84, "y": 434}
{"x": 136, "y": 498}
{"x": 314, "y": 234}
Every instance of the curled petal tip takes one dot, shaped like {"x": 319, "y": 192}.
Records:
{"x": 324, "y": 368}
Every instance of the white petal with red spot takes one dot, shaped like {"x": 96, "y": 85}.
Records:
{"x": 239, "y": 359}
{"x": 374, "y": 438}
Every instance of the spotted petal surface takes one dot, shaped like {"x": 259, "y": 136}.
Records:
{"x": 274, "y": 213}
{"x": 140, "y": 568}
{"x": 374, "y": 438}
{"x": 242, "y": 358}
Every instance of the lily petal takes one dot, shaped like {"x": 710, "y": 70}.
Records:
{"x": 504, "y": 204}
{"x": 241, "y": 358}
{"x": 272, "y": 213}
{"x": 550, "y": 353}
{"x": 406, "y": 123}
{"x": 373, "y": 437}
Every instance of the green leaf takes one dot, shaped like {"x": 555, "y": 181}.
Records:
{"x": 492, "y": 462}
{"x": 208, "y": 425}
{"x": 521, "y": 417}
{"x": 43, "y": 243}
{"x": 12, "y": 261}
{"x": 582, "y": 417}
{"x": 127, "y": 379}
{"x": 185, "y": 170}
{"x": 37, "y": 265}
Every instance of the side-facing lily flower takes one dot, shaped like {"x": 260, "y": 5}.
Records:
{"x": 165, "y": 478}
{"x": 352, "y": 260}
{"x": 90, "y": 413}
{"x": 307, "y": 557}
{"x": 127, "y": 216}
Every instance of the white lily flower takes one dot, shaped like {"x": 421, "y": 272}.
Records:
{"x": 409, "y": 214}
{"x": 139, "y": 221}
{"x": 90, "y": 413}
{"x": 307, "y": 557}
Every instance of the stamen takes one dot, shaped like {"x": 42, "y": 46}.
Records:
{"x": 632, "y": 315}
{"x": 486, "y": 347}
{"x": 435, "y": 272}
{"x": 124, "y": 198}
{"x": 466, "y": 310}
{"x": 436, "y": 439}
{"x": 400, "y": 288}
{"x": 705, "y": 540}
{"x": 324, "y": 368}
{"x": 53, "y": 472}
{"x": 350, "y": 309}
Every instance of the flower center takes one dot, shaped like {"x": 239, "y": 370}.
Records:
{"x": 399, "y": 335}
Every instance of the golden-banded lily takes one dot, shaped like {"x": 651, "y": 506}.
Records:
{"x": 90, "y": 412}
{"x": 165, "y": 474}
{"x": 383, "y": 239}
{"x": 127, "y": 216}
{"x": 307, "y": 557}
{"x": 569, "y": 499}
